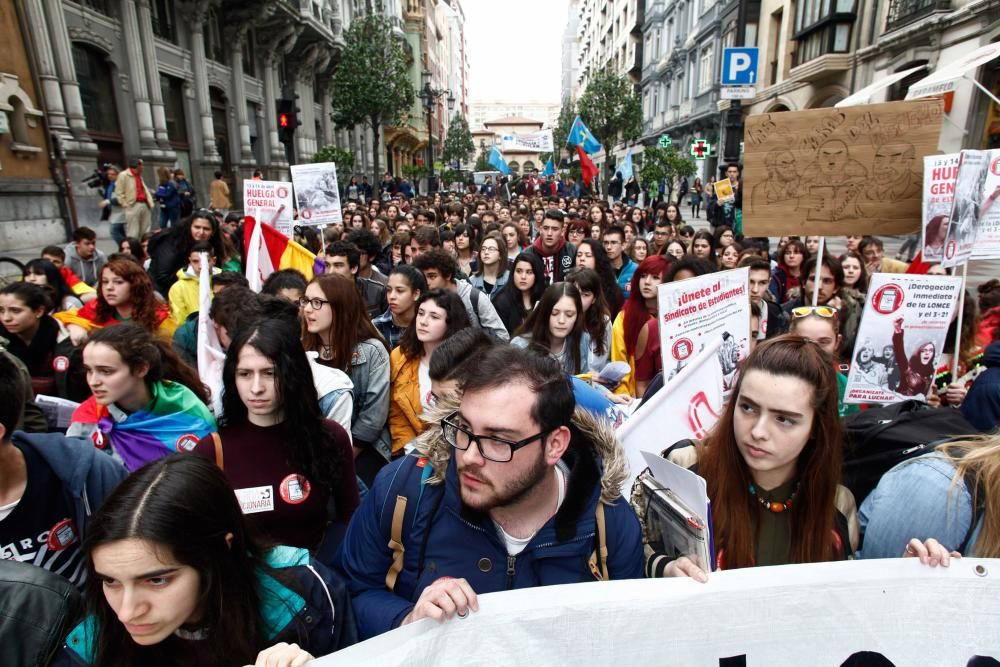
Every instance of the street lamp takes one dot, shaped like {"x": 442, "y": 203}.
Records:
{"x": 429, "y": 96}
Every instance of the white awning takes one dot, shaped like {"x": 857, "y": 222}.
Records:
{"x": 943, "y": 80}
{"x": 864, "y": 96}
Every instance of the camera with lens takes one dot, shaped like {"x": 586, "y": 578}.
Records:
{"x": 99, "y": 178}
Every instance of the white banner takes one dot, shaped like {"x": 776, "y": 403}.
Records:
{"x": 818, "y": 615}
{"x": 317, "y": 194}
{"x": 698, "y": 310}
{"x": 262, "y": 200}
{"x": 539, "y": 142}
{"x": 987, "y": 244}
{"x": 963, "y": 223}
{"x": 939, "y": 192}
{"x": 900, "y": 338}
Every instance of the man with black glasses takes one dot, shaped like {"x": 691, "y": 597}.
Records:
{"x": 512, "y": 487}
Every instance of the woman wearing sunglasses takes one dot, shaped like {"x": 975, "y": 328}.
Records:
{"x": 820, "y": 324}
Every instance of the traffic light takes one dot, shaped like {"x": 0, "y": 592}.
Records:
{"x": 288, "y": 119}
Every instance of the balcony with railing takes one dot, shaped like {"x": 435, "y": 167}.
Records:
{"x": 903, "y": 12}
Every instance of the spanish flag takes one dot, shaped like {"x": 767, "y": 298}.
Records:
{"x": 268, "y": 250}
{"x": 78, "y": 286}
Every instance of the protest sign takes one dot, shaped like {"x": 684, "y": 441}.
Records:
{"x": 317, "y": 193}
{"x": 536, "y": 142}
{"x": 818, "y": 614}
{"x": 987, "y": 245}
{"x": 262, "y": 200}
{"x": 963, "y": 223}
{"x": 691, "y": 403}
{"x": 833, "y": 172}
{"x": 705, "y": 308}
{"x": 901, "y": 335}
{"x": 939, "y": 192}
{"x": 724, "y": 191}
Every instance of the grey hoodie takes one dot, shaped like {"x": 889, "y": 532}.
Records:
{"x": 87, "y": 270}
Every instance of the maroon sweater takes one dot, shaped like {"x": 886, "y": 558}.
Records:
{"x": 280, "y": 504}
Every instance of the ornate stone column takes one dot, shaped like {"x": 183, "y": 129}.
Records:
{"x": 137, "y": 76}
{"x": 275, "y": 151}
{"x": 54, "y": 109}
{"x": 236, "y": 38}
{"x": 153, "y": 75}
{"x": 200, "y": 69}
{"x": 62, "y": 52}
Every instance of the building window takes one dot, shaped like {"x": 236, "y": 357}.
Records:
{"x": 249, "y": 62}
{"x": 97, "y": 88}
{"x": 705, "y": 69}
{"x": 822, "y": 27}
{"x": 902, "y": 12}
{"x": 164, "y": 22}
{"x": 172, "y": 90}
{"x": 106, "y": 7}
{"x": 214, "y": 47}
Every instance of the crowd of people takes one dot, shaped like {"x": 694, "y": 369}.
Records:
{"x": 426, "y": 419}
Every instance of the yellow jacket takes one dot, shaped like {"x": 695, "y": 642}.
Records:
{"x": 627, "y": 385}
{"x": 404, "y": 400}
{"x": 183, "y": 296}
{"x": 125, "y": 190}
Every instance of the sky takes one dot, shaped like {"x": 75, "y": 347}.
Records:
{"x": 515, "y": 49}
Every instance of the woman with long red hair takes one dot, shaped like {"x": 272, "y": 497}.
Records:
{"x": 772, "y": 464}
{"x": 640, "y": 307}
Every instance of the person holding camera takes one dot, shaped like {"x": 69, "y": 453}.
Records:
{"x": 135, "y": 199}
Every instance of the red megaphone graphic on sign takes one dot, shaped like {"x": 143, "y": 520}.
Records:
{"x": 701, "y": 416}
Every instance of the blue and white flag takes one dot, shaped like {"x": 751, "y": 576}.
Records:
{"x": 580, "y": 135}
{"x": 626, "y": 169}
{"x": 496, "y": 159}
{"x": 550, "y": 168}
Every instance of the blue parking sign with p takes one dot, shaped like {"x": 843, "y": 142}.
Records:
{"x": 739, "y": 66}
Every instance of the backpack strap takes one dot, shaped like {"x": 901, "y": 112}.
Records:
{"x": 219, "y": 459}
{"x": 474, "y": 300}
{"x": 599, "y": 559}
{"x": 396, "y": 543}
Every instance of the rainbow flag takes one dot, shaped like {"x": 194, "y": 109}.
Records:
{"x": 174, "y": 421}
{"x": 268, "y": 250}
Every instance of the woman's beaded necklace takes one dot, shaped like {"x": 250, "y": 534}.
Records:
{"x": 774, "y": 505}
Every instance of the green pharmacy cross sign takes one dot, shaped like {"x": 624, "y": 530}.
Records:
{"x": 665, "y": 141}
{"x": 700, "y": 149}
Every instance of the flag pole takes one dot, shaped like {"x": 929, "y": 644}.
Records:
{"x": 958, "y": 322}
{"x": 816, "y": 278}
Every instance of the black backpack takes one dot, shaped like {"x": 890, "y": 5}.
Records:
{"x": 876, "y": 440}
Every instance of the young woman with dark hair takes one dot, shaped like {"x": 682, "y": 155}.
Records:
{"x": 31, "y": 334}
{"x": 772, "y": 463}
{"x": 492, "y": 271}
{"x": 555, "y": 327}
{"x": 145, "y": 403}
{"x": 793, "y": 258}
{"x": 516, "y": 299}
{"x": 703, "y": 246}
{"x": 638, "y": 309}
{"x": 404, "y": 287}
{"x": 855, "y": 273}
{"x": 45, "y": 274}
{"x": 440, "y": 314}
{"x": 591, "y": 255}
{"x": 335, "y": 325}
{"x": 638, "y": 249}
{"x": 515, "y": 238}
{"x": 273, "y": 436}
{"x": 595, "y": 344}
{"x": 917, "y": 370}
{"x": 125, "y": 294}
{"x": 174, "y": 577}
{"x": 169, "y": 250}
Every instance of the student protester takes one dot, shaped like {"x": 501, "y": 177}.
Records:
{"x": 793, "y": 259}
{"x": 729, "y": 256}
{"x": 335, "y": 326}
{"x": 292, "y": 470}
{"x": 590, "y": 255}
{"x": 558, "y": 255}
{"x": 439, "y": 315}
{"x": 638, "y": 309}
{"x": 848, "y": 303}
{"x": 49, "y": 486}
{"x": 170, "y": 251}
{"x": 492, "y": 268}
{"x": 169, "y": 583}
{"x": 288, "y": 284}
{"x": 772, "y": 464}
{"x": 855, "y": 274}
{"x": 662, "y": 233}
{"x": 125, "y": 295}
{"x": 516, "y": 299}
{"x": 406, "y": 285}
{"x": 183, "y": 296}
{"x": 937, "y": 506}
{"x": 440, "y": 269}
{"x": 424, "y": 239}
{"x": 452, "y": 360}
{"x": 638, "y": 250}
{"x": 29, "y": 333}
{"x": 344, "y": 258}
{"x": 703, "y": 246}
{"x": 145, "y": 403}
{"x": 623, "y": 266}
{"x": 517, "y": 489}
{"x": 820, "y": 324}
{"x": 57, "y": 256}
{"x": 185, "y": 338}
{"x": 515, "y": 239}
{"x": 370, "y": 248}
{"x": 83, "y": 258}
{"x": 555, "y": 327}
{"x": 595, "y": 343}
{"x": 44, "y": 273}
{"x": 982, "y": 403}
{"x": 873, "y": 250}
{"x": 466, "y": 248}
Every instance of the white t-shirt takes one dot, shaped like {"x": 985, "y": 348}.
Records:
{"x": 516, "y": 545}
{"x": 424, "y": 377}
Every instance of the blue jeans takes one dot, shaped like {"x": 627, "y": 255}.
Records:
{"x": 117, "y": 233}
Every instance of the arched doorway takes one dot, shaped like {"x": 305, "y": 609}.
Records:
{"x": 97, "y": 93}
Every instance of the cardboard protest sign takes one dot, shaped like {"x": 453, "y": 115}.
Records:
{"x": 901, "y": 335}
{"x": 262, "y": 200}
{"x": 987, "y": 245}
{"x": 317, "y": 193}
{"x": 939, "y": 192}
{"x": 698, "y": 310}
{"x": 732, "y": 620}
{"x": 963, "y": 223}
{"x": 832, "y": 172}
{"x": 724, "y": 191}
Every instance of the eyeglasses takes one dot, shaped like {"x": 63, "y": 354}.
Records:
{"x": 316, "y": 304}
{"x": 822, "y": 311}
{"x": 491, "y": 448}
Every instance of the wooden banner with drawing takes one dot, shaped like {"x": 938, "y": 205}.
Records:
{"x": 833, "y": 172}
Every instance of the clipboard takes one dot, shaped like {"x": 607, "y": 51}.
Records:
{"x": 675, "y": 529}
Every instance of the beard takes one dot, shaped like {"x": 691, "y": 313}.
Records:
{"x": 511, "y": 493}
